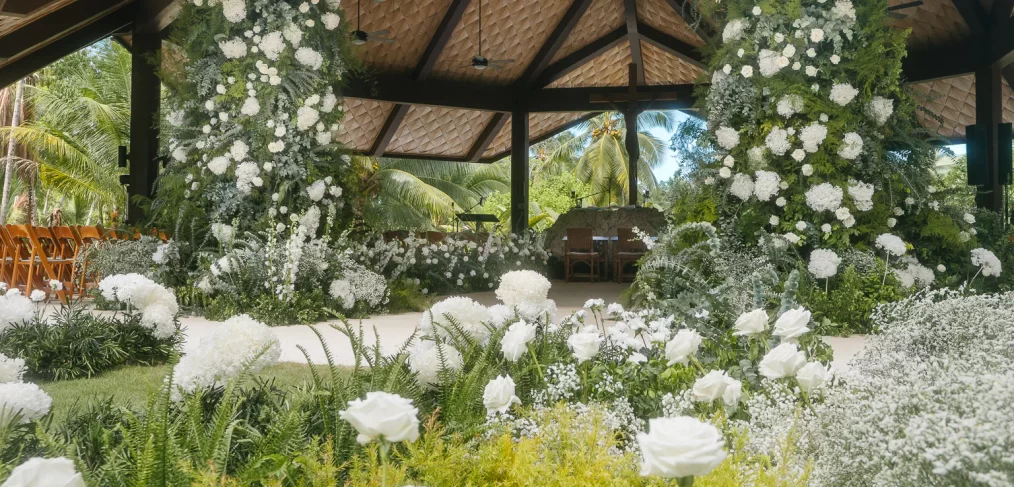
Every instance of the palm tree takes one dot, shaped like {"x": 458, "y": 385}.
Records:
{"x": 411, "y": 194}
{"x": 595, "y": 153}
{"x": 82, "y": 115}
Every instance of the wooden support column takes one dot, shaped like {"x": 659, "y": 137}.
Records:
{"x": 519, "y": 171}
{"x": 145, "y": 98}
{"x": 631, "y": 143}
{"x": 988, "y": 116}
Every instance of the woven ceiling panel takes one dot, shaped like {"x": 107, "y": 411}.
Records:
{"x": 511, "y": 29}
{"x": 609, "y": 69}
{"x": 437, "y": 131}
{"x": 935, "y": 22}
{"x": 362, "y": 122}
{"x": 601, "y": 18}
{"x": 660, "y": 15}
{"x": 662, "y": 68}
{"x": 540, "y": 124}
{"x": 953, "y": 101}
{"x": 412, "y": 25}
{"x": 501, "y": 142}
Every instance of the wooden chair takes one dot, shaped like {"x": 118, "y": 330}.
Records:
{"x": 7, "y": 258}
{"x": 393, "y": 235}
{"x": 42, "y": 262}
{"x": 88, "y": 236}
{"x": 434, "y": 237}
{"x": 629, "y": 249}
{"x": 70, "y": 246}
{"x": 580, "y": 248}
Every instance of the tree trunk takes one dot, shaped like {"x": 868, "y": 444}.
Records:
{"x": 91, "y": 211}
{"x": 33, "y": 200}
{"x": 9, "y": 167}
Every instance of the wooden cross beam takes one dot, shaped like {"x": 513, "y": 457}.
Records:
{"x": 633, "y": 98}
{"x": 18, "y": 8}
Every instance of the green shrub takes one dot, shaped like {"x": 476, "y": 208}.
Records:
{"x": 75, "y": 343}
{"x": 845, "y": 307}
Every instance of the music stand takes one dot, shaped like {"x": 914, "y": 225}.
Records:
{"x": 479, "y": 219}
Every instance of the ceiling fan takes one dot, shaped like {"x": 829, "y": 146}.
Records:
{"x": 359, "y": 37}
{"x": 480, "y": 62}
{"x": 894, "y": 11}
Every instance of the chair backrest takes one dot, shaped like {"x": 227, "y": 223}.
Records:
{"x": 627, "y": 241}
{"x": 580, "y": 239}
{"x": 90, "y": 234}
{"x": 434, "y": 237}
{"x": 47, "y": 243}
{"x": 68, "y": 240}
{"x": 393, "y": 235}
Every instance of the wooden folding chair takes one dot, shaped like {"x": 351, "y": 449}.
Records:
{"x": 88, "y": 236}
{"x": 7, "y": 257}
{"x": 69, "y": 246}
{"x": 580, "y": 248}
{"x": 434, "y": 237}
{"x": 42, "y": 262}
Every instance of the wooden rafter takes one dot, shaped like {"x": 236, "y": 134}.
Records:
{"x": 578, "y": 58}
{"x": 546, "y": 136}
{"x": 553, "y": 43}
{"x": 54, "y": 25}
{"x": 489, "y": 133}
{"x": 630, "y": 19}
{"x": 160, "y": 13}
{"x": 422, "y": 71}
{"x": 18, "y": 8}
{"x": 992, "y": 31}
{"x": 942, "y": 61}
{"x": 670, "y": 44}
{"x": 684, "y": 9}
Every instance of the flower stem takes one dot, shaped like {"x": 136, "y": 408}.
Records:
{"x": 584, "y": 380}
{"x": 887, "y": 267}
{"x": 700, "y": 368}
{"x": 535, "y": 358}
{"x": 384, "y": 449}
{"x": 685, "y": 481}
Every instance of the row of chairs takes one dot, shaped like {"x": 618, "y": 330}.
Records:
{"x": 581, "y": 248}
{"x": 32, "y": 257}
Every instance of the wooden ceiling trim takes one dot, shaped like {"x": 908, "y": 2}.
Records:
{"x": 439, "y": 131}
{"x": 552, "y": 45}
{"x": 54, "y": 25}
{"x": 602, "y": 17}
{"x": 676, "y": 47}
{"x": 575, "y": 60}
{"x": 634, "y": 39}
{"x": 485, "y": 138}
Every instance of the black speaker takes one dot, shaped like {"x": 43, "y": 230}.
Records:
{"x": 122, "y": 156}
{"x": 975, "y": 155}
{"x": 1005, "y": 154}
{"x": 125, "y": 179}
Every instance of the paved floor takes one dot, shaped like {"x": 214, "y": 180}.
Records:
{"x": 395, "y": 329}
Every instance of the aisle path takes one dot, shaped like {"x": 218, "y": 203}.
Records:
{"x": 395, "y": 329}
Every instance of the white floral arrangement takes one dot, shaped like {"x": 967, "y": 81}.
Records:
{"x": 156, "y": 304}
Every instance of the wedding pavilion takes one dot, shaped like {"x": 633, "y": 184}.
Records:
{"x": 421, "y": 95}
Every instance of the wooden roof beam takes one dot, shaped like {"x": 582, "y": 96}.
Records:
{"x": 54, "y": 25}
{"x": 942, "y": 61}
{"x": 992, "y": 30}
{"x": 672, "y": 45}
{"x": 630, "y": 18}
{"x": 552, "y": 133}
{"x": 553, "y": 43}
{"x": 489, "y": 133}
{"x": 700, "y": 26}
{"x": 578, "y": 58}
{"x": 17, "y": 9}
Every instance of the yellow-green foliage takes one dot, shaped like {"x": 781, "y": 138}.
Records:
{"x": 569, "y": 451}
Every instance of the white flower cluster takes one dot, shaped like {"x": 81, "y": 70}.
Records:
{"x": 24, "y": 399}
{"x": 239, "y": 344}
{"x": 823, "y": 263}
{"x": 359, "y": 285}
{"x": 777, "y": 141}
{"x": 790, "y": 105}
{"x": 892, "y": 244}
{"x": 156, "y": 304}
{"x": 843, "y": 93}
{"x": 880, "y": 109}
{"x": 862, "y": 195}
{"x": 728, "y": 138}
{"x": 12, "y": 369}
{"x": 456, "y": 313}
{"x": 742, "y": 186}
{"x": 15, "y": 308}
{"x": 527, "y": 294}
{"x": 429, "y": 359}
{"x": 987, "y": 262}
{"x": 824, "y": 197}
{"x": 767, "y": 185}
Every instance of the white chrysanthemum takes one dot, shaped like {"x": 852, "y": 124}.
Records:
{"x": 219, "y": 165}
{"x": 341, "y": 291}
{"x": 812, "y": 136}
{"x": 892, "y": 244}
{"x": 734, "y": 30}
{"x": 824, "y": 197}
{"x": 851, "y": 146}
{"x": 272, "y": 44}
{"x": 306, "y": 117}
{"x": 12, "y": 369}
{"x": 790, "y": 105}
{"x": 823, "y": 263}
{"x": 461, "y": 311}
{"x": 862, "y": 195}
{"x": 427, "y": 359}
{"x": 987, "y": 262}
{"x": 780, "y": 202}
{"x": 223, "y": 354}
{"x": 246, "y": 173}
{"x": 766, "y": 185}
{"x": 234, "y": 10}
{"x": 729, "y": 161}
{"x": 331, "y": 20}
{"x": 880, "y": 109}
{"x": 23, "y": 398}
{"x": 843, "y": 93}
{"x": 777, "y": 141}
{"x": 234, "y": 48}
{"x": 293, "y": 34}
{"x": 309, "y": 58}
{"x": 15, "y": 308}
{"x": 771, "y": 62}
{"x": 728, "y": 138}
{"x": 742, "y": 186}
{"x": 316, "y": 190}
{"x": 250, "y": 107}
{"x": 519, "y": 287}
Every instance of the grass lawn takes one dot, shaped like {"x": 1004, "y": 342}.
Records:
{"x": 130, "y": 386}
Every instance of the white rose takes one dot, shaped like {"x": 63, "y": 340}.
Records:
{"x": 792, "y": 324}
{"x": 499, "y": 395}
{"x": 683, "y": 346}
{"x": 585, "y": 344}
{"x": 733, "y": 391}
{"x": 782, "y": 361}
{"x": 811, "y": 376}
{"x": 515, "y": 342}
{"x": 751, "y": 323}
{"x": 710, "y": 387}
{"x": 45, "y": 472}
{"x": 680, "y": 447}
{"x": 385, "y": 415}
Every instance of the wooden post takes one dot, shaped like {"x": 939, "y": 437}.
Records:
{"x": 519, "y": 171}
{"x": 630, "y": 141}
{"x": 145, "y": 98}
{"x": 988, "y": 116}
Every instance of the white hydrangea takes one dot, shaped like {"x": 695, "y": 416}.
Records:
{"x": 880, "y": 109}
{"x": 331, "y": 20}
{"x": 777, "y": 141}
{"x": 756, "y": 155}
{"x": 766, "y": 185}
{"x": 824, "y": 197}
{"x": 892, "y": 244}
{"x": 987, "y": 262}
{"x": 843, "y": 93}
{"x": 234, "y": 48}
{"x": 823, "y": 263}
{"x": 790, "y": 105}
{"x": 316, "y": 190}
{"x": 309, "y": 58}
{"x": 250, "y": 107}
{"x": 742, "y": 186}
{"x": 272, "y": 44}
{"x": 306, "y": 117}
{"x": 862, "y": 195}
{"x": 246, "y": 176}
{"x": 851, "y": 146}
{"x": 12, "y": 369}
{"x": 520, "y": 289}
{"x": 812, "y": 136}
{"x": 238, "y": 343}
{"x": 234, "y": 10}
{"x": 23, "y": 398}
{"x": 844, "y": 10}
{"x": 728, "y": 138}
{"x": 428, "y": 358}
{"x": 734, "y": 30}
{"x": 218, "y": 165}
{"x": 15, "y": 309}
{"x": 155, "y": 302}
{"x": 771, "y": 62}
{"x": 328, "y": 102}
{"x": 293, "y": 34}
{"x": 463, "y": 312}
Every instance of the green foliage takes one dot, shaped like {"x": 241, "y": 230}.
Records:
{"x": 846, "y": 306}
{"x": 75, "y": 343}
{"x": 304, "y": 308}
{"x": 549, "y": 197}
